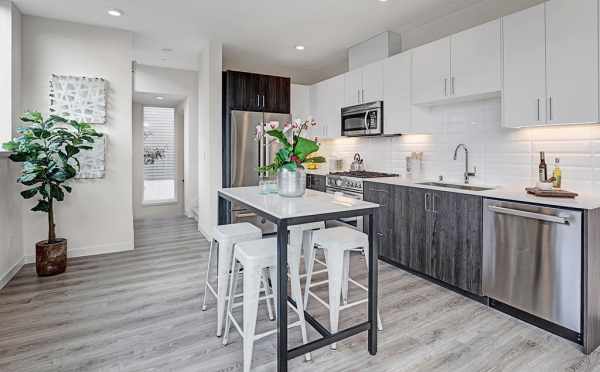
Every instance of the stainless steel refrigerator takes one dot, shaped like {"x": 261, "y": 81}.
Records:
{"x": 247, "y": 154}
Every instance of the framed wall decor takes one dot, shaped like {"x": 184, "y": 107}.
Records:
{"x": 79, "y": 98}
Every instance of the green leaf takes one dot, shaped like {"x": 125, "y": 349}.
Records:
{"x": 56, "y": 192}
{"x": 10, "y": 146}
{"x": 305, "y": 147}
{"x": 290, "y": 166}
{"x": 67, "y": 188}
{"x": 28, "y": 194}
{"x": 42, "y": 206}
{"x": 71, "y": 150}
{"x": 277, "y": 133}
{"x": 33, "y": 117}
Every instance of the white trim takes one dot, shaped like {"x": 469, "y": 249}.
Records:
{"x": 160, "y": 202}
{"x": 92, "y": 250}
{"x": 11, "y": 273}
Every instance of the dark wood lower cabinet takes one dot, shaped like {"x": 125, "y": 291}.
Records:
{"x": 438, "y": 234}
{"x": 455, "y": 250}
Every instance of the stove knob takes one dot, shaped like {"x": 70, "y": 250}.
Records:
{"x": 338, "y": 182}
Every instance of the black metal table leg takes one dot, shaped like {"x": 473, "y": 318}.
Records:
{"x": 373, "y": 270}
{"x": 282, "y": 285}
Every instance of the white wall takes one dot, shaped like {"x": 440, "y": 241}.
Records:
{"x": 209, "y": 136}
{"x": 184, "y": 83}
{"x": 98, "y": 216}
{"x": 162, "y": 210}
{"x": 507, "y": 157}
{"x": 11, "y": 248}
{"x": 299, "y": 101}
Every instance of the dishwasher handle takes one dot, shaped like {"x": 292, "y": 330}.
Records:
{"x": 532, "y": 215}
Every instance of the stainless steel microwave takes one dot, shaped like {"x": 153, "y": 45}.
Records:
{"x": 363, "y": 120}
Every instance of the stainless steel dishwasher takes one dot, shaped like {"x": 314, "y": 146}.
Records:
{"x": 532, "y": 260}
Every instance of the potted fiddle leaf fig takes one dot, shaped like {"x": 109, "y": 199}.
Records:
{"x": 47, "y": 149}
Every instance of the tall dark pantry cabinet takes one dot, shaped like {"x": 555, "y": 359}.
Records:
{"x": 244, "y": 91}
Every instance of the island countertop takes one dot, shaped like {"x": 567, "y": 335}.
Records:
{"x": 313, "y": 203}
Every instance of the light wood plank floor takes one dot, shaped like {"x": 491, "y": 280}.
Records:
{"x": 140, "y": 311}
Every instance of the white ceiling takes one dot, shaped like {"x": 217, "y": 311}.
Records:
{"x": 261, "y": 35}
{"x": 169, "y": 100}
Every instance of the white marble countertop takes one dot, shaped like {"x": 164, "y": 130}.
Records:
{"x": 313, "y": 203}
{"x": 583, "y": 201}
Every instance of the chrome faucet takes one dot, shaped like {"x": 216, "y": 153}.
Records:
{"x": 467, "y": 173}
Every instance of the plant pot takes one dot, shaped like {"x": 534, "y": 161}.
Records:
{"x": 51, "y": 258}
{"x": 291, "y": 184}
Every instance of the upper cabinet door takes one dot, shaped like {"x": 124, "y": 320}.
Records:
{"x": 243, "y": 91}
{"x": 372, "y": 78}
{"x": 524, "y": 90}
{"x": 275, "y": 91}
{"x": 335, "y": 88}
{"x": 354, "y": 86}
{"x": 572, "y": 61}
{"x": 396, "y": 87}
{"x": 317, "y": 96}
{"x": 476, "y": 60}
{"x": 431, "y": 71}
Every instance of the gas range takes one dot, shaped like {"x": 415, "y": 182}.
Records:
{"x": 352, "y": 181}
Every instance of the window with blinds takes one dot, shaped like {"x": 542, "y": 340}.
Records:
{"x": 160, "y": 155}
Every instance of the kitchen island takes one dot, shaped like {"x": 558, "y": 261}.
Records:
{"x": 314, "y": 206}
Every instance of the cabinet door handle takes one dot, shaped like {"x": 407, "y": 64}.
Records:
{"x": 538, "y": 109}
{"x": 427, "y": 196}
{"x": 363, "y": 96}
{"x": 445, "y": 87}
{"x": 550, "y": 107}
{"x": 434, "y": 209}
{"x": 451, "y": 87}
{"x": 257, "y": 100}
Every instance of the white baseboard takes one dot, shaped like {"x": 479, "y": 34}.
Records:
{"x": 92, "y": 250}
{"x": 11, "y": 273}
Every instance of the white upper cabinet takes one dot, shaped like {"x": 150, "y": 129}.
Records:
{"x": 326, "y": 101}
{"x": 524, "y": 90}
{"x": 551, "y": 64}
{"x": 335, "y": 102}
{"x": 397, "y": 94}
{"x": 476, "y": 61}
{"x": 364, "y": 84}
{"x": 372, "y": 82}
{"x": 431, "y": 71}
{"x": 354, "y": 86}
{"x": 572, "y": 61}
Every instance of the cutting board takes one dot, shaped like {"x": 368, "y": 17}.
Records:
{"x": 551, "y": 193}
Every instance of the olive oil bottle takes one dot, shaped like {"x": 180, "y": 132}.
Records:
{"x": 556, "y": 174}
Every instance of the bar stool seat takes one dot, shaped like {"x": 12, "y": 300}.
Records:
{"x": 337, "y": 242}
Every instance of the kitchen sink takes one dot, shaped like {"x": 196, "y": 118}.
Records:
{"x": 455, "y": 186}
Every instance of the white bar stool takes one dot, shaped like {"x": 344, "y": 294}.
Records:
{"x": 255, "y": 257}
{"x": 337, "y": 242}
{"x": 300, "y": 240}
{"x": 226, "y": 236}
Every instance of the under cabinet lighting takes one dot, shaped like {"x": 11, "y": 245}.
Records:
{"x": 299, "y": 47}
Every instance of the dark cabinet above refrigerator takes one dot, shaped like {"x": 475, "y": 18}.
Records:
{"x": 255, "y": 92}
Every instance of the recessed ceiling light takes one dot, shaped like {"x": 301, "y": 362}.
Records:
{"x": 160, "y": 98}
{"x": 299, "y": 47}
{"x": 115, "y": 12}
{"x": 383, "y": 1}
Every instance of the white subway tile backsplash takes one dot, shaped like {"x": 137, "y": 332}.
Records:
{"x": 502, "y": 156}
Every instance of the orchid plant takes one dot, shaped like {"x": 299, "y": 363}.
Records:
{"x": 295, "y": 148}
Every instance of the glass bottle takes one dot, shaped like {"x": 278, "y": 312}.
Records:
{"x": 556, "y": 174}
